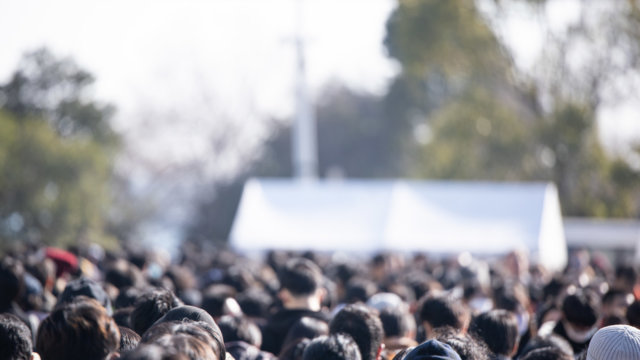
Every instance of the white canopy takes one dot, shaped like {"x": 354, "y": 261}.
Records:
{"x": 484, "y": 218}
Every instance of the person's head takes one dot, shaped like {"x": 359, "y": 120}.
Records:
{"x": 122, "y": 274}
{"x": 238, "y": 328}
{"x": 359, "y": 290}
{"x": 363, "y": 325}
{"x": 150, "y": 307}
{"x": 301, "y": 284}
{"x": 467, "y": 346}
{"x": 305, "y": 328}
{"x": 553, "y": 341}
{"x": 498, "y": 329}
{"x": 333, "y": 347}
{"x": 201, "y": 330}
{"x": 620, "y": 342}
{"x": 128, "y": 339}
{"x": 633, "y": 314}
{"x": 437, "y": 311}
{"x": 184, "y": 344}
{"x": 397, "y": 322}
{"x": 581, "y": 311}
{"x": 625, "y": 278}
{"x": 81, "y": 329}
{"x": 431, "y": 350}
{"x": 84, "y": 287}
{"x": 615, "y": 301}
{"x": 11, "y": 281}
{"x": 218, "y": 300}
{"x": 546, "y": 353}
{"x": 15, "y": 339}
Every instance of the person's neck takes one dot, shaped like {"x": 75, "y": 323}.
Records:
{"x": 302, "y": 303}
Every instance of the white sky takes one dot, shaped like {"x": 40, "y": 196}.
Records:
{"x": 232, "y": 58}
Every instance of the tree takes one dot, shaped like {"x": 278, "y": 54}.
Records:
{"x": 56, "y": 154}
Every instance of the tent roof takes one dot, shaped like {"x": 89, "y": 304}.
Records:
{"x": 373, "y": 215}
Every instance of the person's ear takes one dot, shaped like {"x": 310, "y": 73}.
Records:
{"x": 114, "y": 355}
{"x": 284, "y": 295}
{"x": 35, "y": 356}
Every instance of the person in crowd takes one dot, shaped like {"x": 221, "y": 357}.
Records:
{"x": 301, "y": 332}
{"x": 301, "y": 295}
{"x": 364, "y": 326}
{"x": 129, "y": 340}
{"x": 442, "y": 310}
{"x": 580, "y": 316}
{"x": 467, "y": 346}
{"x": 620, "y": 342}
{"x": 399, "y": 329}
{"x": 498, "y": 329}
{"x": 332, "y": 347}
{"x": 429, "y": 350}
{"x": 242, "y": 338}
{"x": 80, "y": 329}
{"x": 151, "y": 306}
{"x": 548, "y": 341}
{"x": 15, "y": 339}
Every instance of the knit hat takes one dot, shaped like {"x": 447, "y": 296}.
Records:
{"x": 432, "y": 350}
{"x": 620, "y": 342}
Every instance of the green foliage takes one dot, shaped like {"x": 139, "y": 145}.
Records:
{"x": 56, "y": 151}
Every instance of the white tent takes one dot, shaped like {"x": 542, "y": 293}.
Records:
{"x": 484, "y": 218}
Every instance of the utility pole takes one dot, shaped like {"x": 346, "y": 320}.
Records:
{"x": 304, "y": 137}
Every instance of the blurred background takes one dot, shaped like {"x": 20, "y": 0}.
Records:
{"x": 138, "y": 122}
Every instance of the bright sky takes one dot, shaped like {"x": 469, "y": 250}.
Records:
{"x": 168, "y": 60}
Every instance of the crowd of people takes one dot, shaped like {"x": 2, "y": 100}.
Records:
{"x": 87, "y": 303}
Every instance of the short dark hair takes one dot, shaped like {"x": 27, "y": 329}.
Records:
{"x": 498, "y": 329}
{"x": 363, "y": 325}
{"x": 198, "y": 329}
{"x": 442, "y": 310}
{"x": 633, "y": 314}
{"x": 300, "y": 277}
{"x": 11, "y": 281}
{"x": 467, "y": 346}
{"x": 581, "y": 308}
{"x": 333, "y": 347}
{"x": 239, "y": 328}
{"x": 150, "y": 307}
{"x": 397, "y": 322}
{"x": 15, "y": 338}
{"x": 129, "y": 340}
{"x": 81, "y": 329}
{"x": 184, "y": 344}
{"x": 553, "y": 340}
{"x": 305, "y": 328}
{"x": 546, "y": 353}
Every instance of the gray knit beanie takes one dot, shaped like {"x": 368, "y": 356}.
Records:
{"x": 620, "y": 342}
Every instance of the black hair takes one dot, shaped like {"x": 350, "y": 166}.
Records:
{"x": 467, "y": 346}
{"x": 214, "y": 298}
{"x": 239, "y": 328}
{"x": 633, "y": 314}
{"x": 81, "y": 329}
{"x": 128, "y": 339}
{"x": 198, "y": 329}
{"x": 498, "y": 329}
{"x": 333, "y": 347}
{"x": 15, "y": 338}
{"x": 442, "y": 310}
{"x": 300, "y": 277}
{"x": 150, "y": 307}
{"x": 581, "y": 308}
{"x": 546, "y": 353}
{"x": 11, "y": 282}
{"x": 397, "y": 322}
{"x": 255, "y": 303}
{"x": 360, "y": 290}
{"x": 306, "y": 327}
{"x": 363, "y": 325}
{"x": 553, "y": 340}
